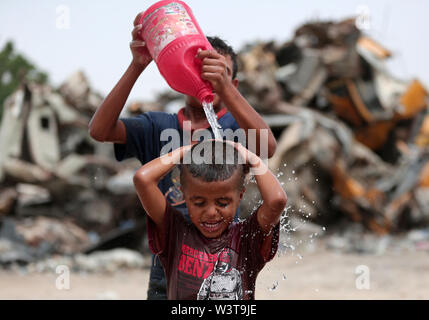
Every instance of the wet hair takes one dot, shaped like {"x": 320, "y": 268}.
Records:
{"x": 213, "y": 161}
{"x": 224, "y": 49}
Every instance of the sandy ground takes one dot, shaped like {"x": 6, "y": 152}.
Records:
{"x": 320, "y": 274}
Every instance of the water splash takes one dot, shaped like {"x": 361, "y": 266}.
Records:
{"x": 298, "y": 234}
{"x": 274, "y": 286}
{"x": 212, "y": 119}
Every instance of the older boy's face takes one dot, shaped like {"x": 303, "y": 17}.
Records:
{"x": 212, "y": 205}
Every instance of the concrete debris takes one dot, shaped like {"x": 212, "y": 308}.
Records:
{"x": 121, "y": 183}
{"x": 7, "y": 200}
{"x": 352, "y": 138}
{"x": 61, "y": 192}
{"x": 96, "y": 262}
{"x": 353, "y": 143}
{"x": 77, "y": 92}
{"x": 108, "y": 295}
{"x": 12, "y": 252}
{"x": 109, "y": 261}
{"x": 67, "y": 237}
{"x": 29, "y": 194}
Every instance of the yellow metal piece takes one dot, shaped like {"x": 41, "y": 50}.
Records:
{"x": 413, "y": 100}
{"x": 373, "y": 47}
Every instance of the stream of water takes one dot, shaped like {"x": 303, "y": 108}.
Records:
{"x": 212, "y": 119}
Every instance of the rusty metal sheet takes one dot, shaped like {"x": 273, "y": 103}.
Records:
{"x": 374, "y": 47}
{"x": 374, "y": 136}
{"x": 413, "y": 100}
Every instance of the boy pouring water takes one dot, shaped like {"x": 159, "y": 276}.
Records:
{"x": 140, "y": 137}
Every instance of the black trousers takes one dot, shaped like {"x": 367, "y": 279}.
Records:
{"x": 157, "y": 282}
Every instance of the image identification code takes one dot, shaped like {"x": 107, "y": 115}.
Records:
{"x": 223, "y": 309}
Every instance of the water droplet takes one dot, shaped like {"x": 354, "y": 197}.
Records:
{"x": 274, "y": 287}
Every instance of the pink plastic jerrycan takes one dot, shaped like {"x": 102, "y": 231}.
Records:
{"x": 173, "y": 37}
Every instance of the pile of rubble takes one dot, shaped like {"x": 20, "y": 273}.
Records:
{"x": 352, "y": 143}
{"x": 61, "y": 192}
{"x": 352, "y": 139}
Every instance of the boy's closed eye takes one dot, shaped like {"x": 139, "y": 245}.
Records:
{"x": 223, "y": 202}
{"x": 199, "y": 203}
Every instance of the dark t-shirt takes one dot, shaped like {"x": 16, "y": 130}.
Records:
{"x": 224, "y": 268}
{"x": 144, "y": 143}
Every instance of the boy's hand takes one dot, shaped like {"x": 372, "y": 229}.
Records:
{"x": 215, "y": 70}
{"x": 141, "y": 55}
{"x": 251, "y": 159}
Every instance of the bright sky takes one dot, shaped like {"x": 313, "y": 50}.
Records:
{"x": 97, "y": 40}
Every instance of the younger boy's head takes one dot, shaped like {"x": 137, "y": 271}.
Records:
{"x": 212, "y": 179}
{"x": 232, "y": 68}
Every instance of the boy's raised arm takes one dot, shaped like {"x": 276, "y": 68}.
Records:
{"x": 215, "y": 70}
{"x": 273, "y": 196}
{"x": 105, "y": 125}
{"x": 146, "y": 182}
{"x": 247, "y": 118}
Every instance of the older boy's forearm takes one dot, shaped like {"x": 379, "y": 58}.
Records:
{"x": 107, "y": 114}
{"x": 247, "y": 118}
